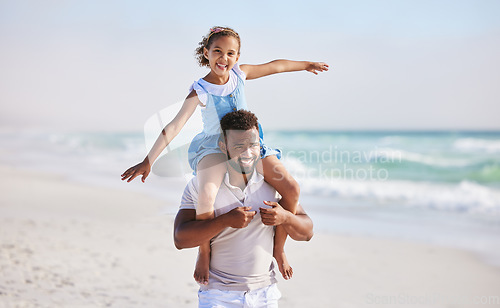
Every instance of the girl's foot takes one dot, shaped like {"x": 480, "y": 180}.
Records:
{"x": 202, "y": 267}
{"x": 285, "y": 268}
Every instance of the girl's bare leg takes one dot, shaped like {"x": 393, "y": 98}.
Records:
{"x": 210, "y": 173}
{"x": 278, "y": 177}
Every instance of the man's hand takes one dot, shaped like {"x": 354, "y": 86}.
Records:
{"x": 274, "y": 216}
{"x": 239, "y": 217}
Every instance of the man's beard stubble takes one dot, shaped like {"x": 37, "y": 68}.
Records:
{"x": 238, "y": 167}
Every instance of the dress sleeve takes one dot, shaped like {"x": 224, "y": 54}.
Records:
{"x": 239, "y": 72}
{"x": 202, "y": 94}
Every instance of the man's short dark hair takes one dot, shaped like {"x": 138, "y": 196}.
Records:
{"x": 239, "y": 120}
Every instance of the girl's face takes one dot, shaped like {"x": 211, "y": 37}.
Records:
{"x": 222, "y": 55}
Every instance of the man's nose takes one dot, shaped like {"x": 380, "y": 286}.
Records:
{"x": 246, "y": 152}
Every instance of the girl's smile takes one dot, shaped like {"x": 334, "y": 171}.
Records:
{"x": 221, "y": 66}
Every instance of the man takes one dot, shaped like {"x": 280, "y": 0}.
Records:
{"x": 241, "y": 234}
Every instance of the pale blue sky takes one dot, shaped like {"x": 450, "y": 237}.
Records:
{"x": 112, "y": 64}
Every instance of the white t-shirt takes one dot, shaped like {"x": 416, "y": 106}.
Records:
{"x": 241, "y": 259}
{"x": 220, "y": 90}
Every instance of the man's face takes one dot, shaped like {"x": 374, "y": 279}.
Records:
{"x": 243, "y": 149}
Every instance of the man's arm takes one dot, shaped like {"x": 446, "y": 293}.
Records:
{"x": 298, "y": 226}
{"x": 189, "y": 232}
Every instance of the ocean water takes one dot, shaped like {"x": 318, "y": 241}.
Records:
{"x": 447, "y": 171}
{"x": 438, "y": 187}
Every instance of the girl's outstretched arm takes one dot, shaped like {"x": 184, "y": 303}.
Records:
{"x": 281, "y": 66}
{"x": 167, "y": 134}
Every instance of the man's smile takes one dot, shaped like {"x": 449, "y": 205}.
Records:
{"x": 246, "y": 162}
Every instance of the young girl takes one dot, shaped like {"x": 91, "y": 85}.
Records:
{"x": 219, "y": 92}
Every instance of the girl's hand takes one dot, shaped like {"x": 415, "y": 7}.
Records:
{"x": 142, "y": 168}
{"x": 315, "y": 67}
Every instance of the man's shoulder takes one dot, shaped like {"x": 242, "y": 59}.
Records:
{"x": 190, "y": 195}
{"x": 193, "y": 183}
{"x": 191, "y": 187}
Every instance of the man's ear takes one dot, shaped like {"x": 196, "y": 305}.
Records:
{"x": 222, "y": 146}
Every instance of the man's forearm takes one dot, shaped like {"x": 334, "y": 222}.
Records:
{"x": 189, "y": 232}
{"x": 299, "y": 227}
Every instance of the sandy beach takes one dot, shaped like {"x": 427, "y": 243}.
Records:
{"x": 66, "y": 244}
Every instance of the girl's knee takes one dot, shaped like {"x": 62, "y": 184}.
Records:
{"x": 208, "y": 191}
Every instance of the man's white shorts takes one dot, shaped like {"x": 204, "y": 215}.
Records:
{"x": 264, "y": 297}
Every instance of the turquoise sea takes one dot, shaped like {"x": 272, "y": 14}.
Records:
{"x": 446, "y": 171}
{"x": 437, "y": 187}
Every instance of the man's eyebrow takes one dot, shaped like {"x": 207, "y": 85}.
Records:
{"x": 243, "y": 143}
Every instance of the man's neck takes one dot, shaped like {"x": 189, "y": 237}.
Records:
{"x": 238, "y": 179}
